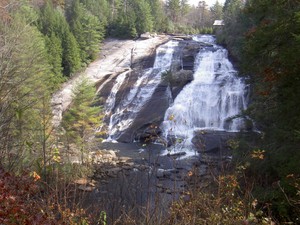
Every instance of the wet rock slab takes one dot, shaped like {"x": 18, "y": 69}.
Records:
{"x": 209, "y": 141}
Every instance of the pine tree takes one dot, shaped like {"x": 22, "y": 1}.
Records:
{"x": 71, "y": 53}
{"x": 217, "y": 11}
{"x": 144, "y": 22}
{"x": 99, "y": 8}
{"x": 55, "y": 52}
{"x": 26, "y": 80}
{"x": 83, "y": 117}
{"x": 52, "y": 22}
{"x": 87, "y": 30}
{"x": 174, "y": 7}
{"x": 158, "y": 15}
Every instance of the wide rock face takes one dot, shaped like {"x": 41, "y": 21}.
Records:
{"x": 145, "y": 126}
{"x": 116, "y": 56}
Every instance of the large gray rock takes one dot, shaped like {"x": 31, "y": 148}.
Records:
{"x": 149, "y": 117}
{"x": 214, "y": 147}
{"x": 212, "y": 141}
{"x": 189, "y": 53}
{"x": 179, "y": 79}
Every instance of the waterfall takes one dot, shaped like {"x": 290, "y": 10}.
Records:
{"x": 111, "y": 100}
{"x": 126, "y": 111}
{"x": 212, "y": 100}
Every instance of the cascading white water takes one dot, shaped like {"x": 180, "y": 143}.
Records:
{"x": 211, "y": 100}
{"x": 111, "y": 100}
{"x": 125, "y": 112}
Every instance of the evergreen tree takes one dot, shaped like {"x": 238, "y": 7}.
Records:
{"x": 236, "y": 23}
{"x": 115, "y": 6}
{"x": 265, "y": 36}
{"x": 52, "y": 22}
{"x": 217, "y": 11}
{"x": 55, "y": 52}
{"x": 49, "y": 20}
{"x": 99, "y": 8}
{"x": 86, "y": 29}
{"x": 134, "y": 18}
{"x": 26, "y": 81}
{"x": 83, "y": 117}
{"x": 157, "y": 12}
{"x": 144, "y": 22}
{"x": 71, "y": 53}
{"x": 174, "y": 7}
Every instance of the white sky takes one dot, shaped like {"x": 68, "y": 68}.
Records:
{"x": 208, "y": 2}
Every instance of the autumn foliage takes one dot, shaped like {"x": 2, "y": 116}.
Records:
{"x": 25, "y": 199}
{"x": 20, "y": 202}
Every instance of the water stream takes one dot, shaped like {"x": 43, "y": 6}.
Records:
{"x": 212, "y": 100}
{"x": 126, "y": 111}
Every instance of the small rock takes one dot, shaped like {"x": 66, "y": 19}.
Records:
{"x": 113, "y": 171}
{"x": 174, "y": 171}
{"x": 146, "y": 36}
{"x": 124, "y": 159}
{"x": 127, "y": 167}
{"x": 142, "y": 167}
{"x": 159, "y": 186}
{"x": 160, "y": 173}
{"x": 86, "y": 188}
{"x": 168, "y": 191}
{"x": 176, "y": 155}
{"x": 131, "y": 164}
{"x": 82, "y": 181}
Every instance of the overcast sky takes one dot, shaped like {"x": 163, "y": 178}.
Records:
{"x": 208, "y": 2}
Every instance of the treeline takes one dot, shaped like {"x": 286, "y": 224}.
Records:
{"x": 38, "y": 50}
{"x": 73, "y": 29}
{"x": 264, "y": 37}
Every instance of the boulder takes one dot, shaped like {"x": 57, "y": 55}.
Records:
{"x": 179, "y": 79}
{"x": 181, "y": 37}
{"x": 123, "y": 159}
{"x": 146, "y": 36}
{"x": 176, "y": 155}
{"x": 189, "y": 53}
{"x": 113, "y": 172}
{"x": 103, "y": 156}
{"x": 213, "y": 159}
{"x": 213, "y": 146}
{"x": 86, "y": 184}
{"x": 148, "y": 133}
{"x": 152, "y": 113}
{"x": 212, "y": 141}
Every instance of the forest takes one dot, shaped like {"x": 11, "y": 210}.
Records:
{"x": 44, "y": 43}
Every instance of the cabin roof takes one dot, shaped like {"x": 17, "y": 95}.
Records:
{"x": 218, "y": 23}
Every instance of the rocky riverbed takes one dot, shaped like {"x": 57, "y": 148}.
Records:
{"x": 132, "y": 177}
